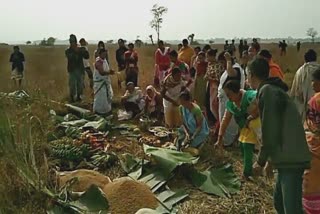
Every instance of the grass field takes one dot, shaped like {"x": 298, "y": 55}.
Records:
{"x": 46, "y": 78}
{"x": 46, "y": 66}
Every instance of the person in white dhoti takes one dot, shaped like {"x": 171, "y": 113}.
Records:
{"x": 102, "y": 87}
{"x": 301, "y": 90}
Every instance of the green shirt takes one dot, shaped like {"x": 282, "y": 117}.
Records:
{"x": 240, "y": 114}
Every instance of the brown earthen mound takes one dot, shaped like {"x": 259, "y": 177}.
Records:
{"x": 86, "y": 178}
{"x": 128, "y": 196}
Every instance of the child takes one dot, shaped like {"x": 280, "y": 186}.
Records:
{"x": 254, "y": 122}
{"x": 250, "y": 138}
{"x": 86, "y": 63}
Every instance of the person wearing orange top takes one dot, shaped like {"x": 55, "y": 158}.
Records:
{"x": 311, "y": 181}
{"x": 186, "y": 53}
{"x": 275, "y": 70}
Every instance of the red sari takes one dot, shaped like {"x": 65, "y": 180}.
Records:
{"x": 162, "y": 65}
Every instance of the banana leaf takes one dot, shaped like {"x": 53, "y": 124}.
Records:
{"x": 141, "y": 170}
{"x": 100, "y": 125}
{"x": 221, "y": 182}
{"x": 70, "y": 117}
{"x": 129, "y": 163}
{"x": 169, "y": 199}
{"x": 78, "y": 111}
{"x": 168, "y": 159}
{"x": 93, "y": 201}
{"x": 125, "y": 126}
{"x": 75, "y": 123}
{"x": 154, "y": 177}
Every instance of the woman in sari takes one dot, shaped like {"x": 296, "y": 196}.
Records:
{"x": 311, "y": 179}
{"x": 213, "y": 74}
{"x": 233, "y": 72}
{"x": 103, "y": 92}
{"x": 197, "y": 50}
{"x": 101, "y": 46}
{"x": 172, "y": 86}
{"x": 162, "y": 65}
{"x": 154, "y": 103}
{"x": 133, "y": 100}
{"x": 132, "y": 70}
{"x": 200, "y": 82}
{"x": 195, "y": 127}
{"x": 237, "y": 108}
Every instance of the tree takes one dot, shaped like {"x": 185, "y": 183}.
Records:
{"x": 191, "y": 38}
{"x": 312, "y": 33}
{"x": 157, "y": 12}
{"x": 43, "y": 42}
{"x": 109, "y": 41}
{"x": 28, "y": 42}
{"x": 151, "y": 38}
{"x": 51, "y": 41}
{"x": 48, "y": 42}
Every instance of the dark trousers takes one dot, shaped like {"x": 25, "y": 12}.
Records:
{"x": 132, "y": 76}
{"x": 133, "y": 107}
{"x": 288, "y": 191}
{"x": 76, "y": 83}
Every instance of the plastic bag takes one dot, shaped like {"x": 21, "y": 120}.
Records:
{"x": 124, "y": 115}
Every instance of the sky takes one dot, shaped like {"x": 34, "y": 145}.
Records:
{"x": 23, "y": 20}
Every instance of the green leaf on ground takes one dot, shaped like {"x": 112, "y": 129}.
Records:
{"x": 168, "y": 159}
{"x": 221, "y": 182}
{"x": 93, "y": 200}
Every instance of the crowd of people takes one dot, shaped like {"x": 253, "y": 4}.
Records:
{"x": 207, "y": 94}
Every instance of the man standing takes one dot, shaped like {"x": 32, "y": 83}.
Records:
{"x": 283, "y": 48}
{"x": 298, "y": 46}
{"x": 121, "y": 61}
{"x": 17, "y": 66}
{"x": 256, "y": 44}
{"x": 186, "y": 53}
{"x": 241, "y": 48}
{"x": 283, "y": 138}
{"x": 301, "y": 90}
{"x": 245, "y": 45}
{"x": 75, "y": 56}
{"x": 226, "y": 46}
{"x": 86, "y": 63}
{"x": 232, "y": 48}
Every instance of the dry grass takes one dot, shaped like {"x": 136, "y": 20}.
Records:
{"x": 46, "y": 66}
{"x": 46, "y": 78}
